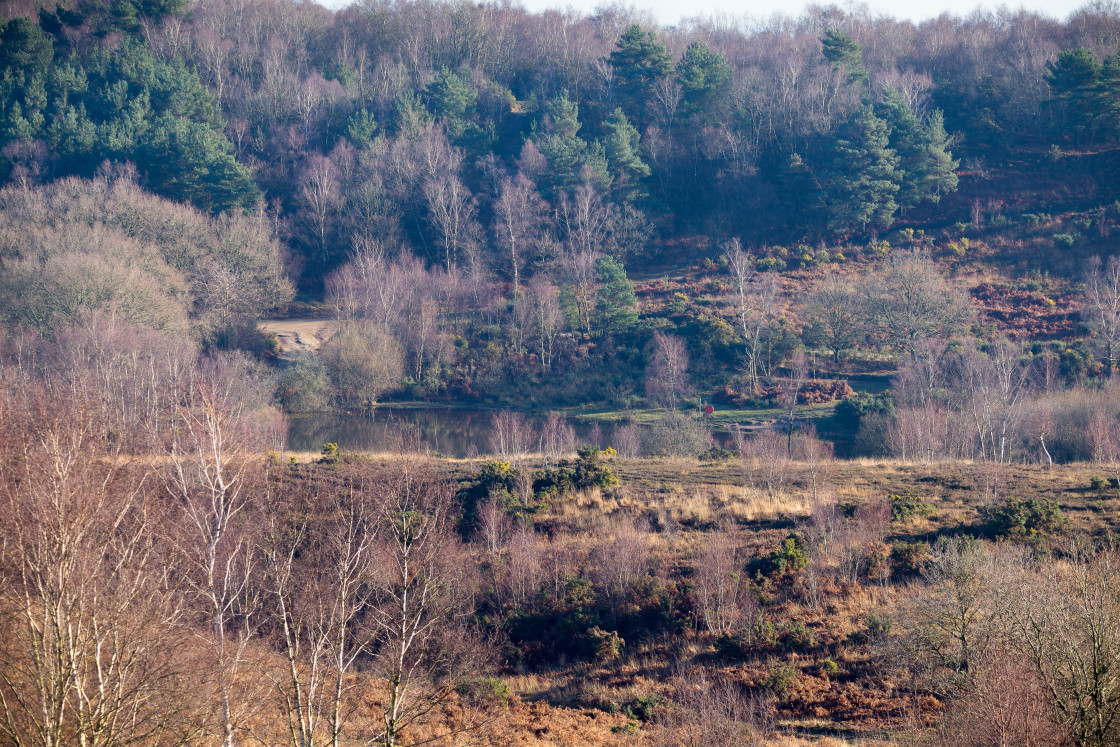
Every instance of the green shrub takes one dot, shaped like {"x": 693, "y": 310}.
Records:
{"x": 771, "y": 263}
{"x": 330, "y": 454}
{"x": 767, "y": 633}
{"x": 717, "y": 454}
{"x": 1028, "y": 519}
{"x": 909, "y": 557}
{"x": 590, "y": 472}
{"x": 787, "y": 560}
{"x": 1065, "y": 240}
{"x": 1098, "y": 483}
{"x": 830, "y": 669}
{"x": 906, "y": 507}
{"x": 780, "y": 680}
{"x": 875, "y": 628}
{"x": 605, "y": 645}
{"x": 483, "y": 690}
{"x": 797, "y": 636}
{"x": 643, "y": 707}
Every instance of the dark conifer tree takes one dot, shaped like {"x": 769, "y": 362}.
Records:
{"x": 864, "y": 179}
{"x": 639, "y": 62}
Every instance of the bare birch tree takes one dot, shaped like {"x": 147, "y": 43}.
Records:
{"x": 519, "y": 216}
{"x": 722, "y": 589}
{"x": 88, "y": 602}
{"x": 1102, "y": 299}
{"x": 667, "y": 382}
{"x": 755, "y": 296}
{"x": 451, "y": 211}
{"x": 420, "y": 645}
{"x": 210, "y": 477}
{"x": 316, "y": 554}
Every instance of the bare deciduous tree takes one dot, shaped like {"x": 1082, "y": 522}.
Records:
{"x": 420, "y": 645}
{"x": 755, "y": 297}
{"x": 451, "y": 210}
{"x": 835, "y": 315}
{"x": 88, "y": 603}
{"x": 912, "y": 302}
{"x": 723, "y": 591}
{"x": 953, "y": 624}
{"x": 1066, "y": 621}
{"x": 766, "y": 458}
{"x": 816, "y": 453}
{"x": 210, "y": 477}
{"x": 547, "y": 317}
{"x": 557, "y": 438}
{"x": 316, "y": 554}
{"x": 620, "y": 559}
{"x": 712, "y": 711}
{"x": 511, "y": 437}
{"x": 524, "y": 566}
{"x": 1102, "y": 297}
{"x": 321, "y": 195}
{"x": 667, "y": 381}
{"x": 519, "y": 219}
{"x": 996, "y": 386}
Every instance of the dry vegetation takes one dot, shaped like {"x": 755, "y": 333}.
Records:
{"x": 169, "y": 575}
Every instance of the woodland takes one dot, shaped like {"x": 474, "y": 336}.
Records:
{"x": 845, "y": 286}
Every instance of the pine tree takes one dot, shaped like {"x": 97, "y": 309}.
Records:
{"x": 910, "y": 141}
{"x": 941, "y": 176}
{"x": 639, "y": 62}
{"x": 843, "y": 51}
{"x": 1107, "y": 104}
{"x": 704, "y": 76}
{"x": 450, "y": 97}
{"x": 1073, "y": 80}
{"x": 622, "y": 142}
{"x": 563, "y": 148}
{"x": 864, "y": 176}
{"x": 615, "y": 311}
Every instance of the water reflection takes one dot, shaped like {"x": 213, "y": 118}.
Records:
{"x": 453, "y": 433}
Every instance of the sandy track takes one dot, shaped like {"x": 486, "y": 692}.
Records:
{"x": 299, "y": 335}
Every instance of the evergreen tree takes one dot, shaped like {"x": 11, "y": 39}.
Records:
{"x": 621, "y": 143}
{"x": 1073, "y": 80}
{"x": 865, "y": 177}
{"x": 1107, "y": 104}
{"x": 24, "y": 48}
{"x": 360, "y": 128}
{"x": 639, "y": 62}
{"x": 843, "y": 51}
{"x": 120, "y": 104}
{"x": 451, "y": 99}
{"x": 449, "y": 96}
{"x": 193, "y": 162}
{"x": 941, "y": 176}
{"x": 704, "y": 76}
{"x": 568, "y": 154}
{"x": 926, "y": 165}
{"x": 615, "y": 310}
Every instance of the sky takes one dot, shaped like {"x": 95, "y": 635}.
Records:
{"x": 671, "y": 12}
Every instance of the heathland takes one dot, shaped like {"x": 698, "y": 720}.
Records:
{"x": 795, "y": 343}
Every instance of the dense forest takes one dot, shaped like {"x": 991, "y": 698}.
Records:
{"x": 846, "y": 288}
{"x": 499, "y": 204}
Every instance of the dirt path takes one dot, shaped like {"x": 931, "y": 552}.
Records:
{"x": 299, "y": 335}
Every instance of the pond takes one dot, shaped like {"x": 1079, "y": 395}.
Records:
{"x": 450, "y": 432}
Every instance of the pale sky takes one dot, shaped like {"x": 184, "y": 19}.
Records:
{"x": 670, "y": 12}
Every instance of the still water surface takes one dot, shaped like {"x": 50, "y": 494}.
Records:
{"x": 453, "y": 433}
